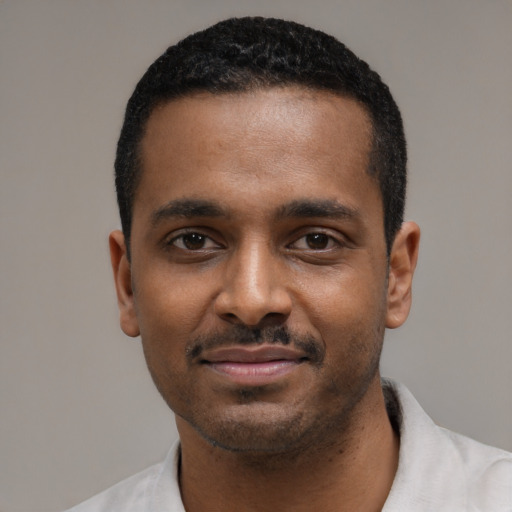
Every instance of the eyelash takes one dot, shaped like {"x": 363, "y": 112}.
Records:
{"x": 329, "y": 240}
{"x": 181, "y": 236}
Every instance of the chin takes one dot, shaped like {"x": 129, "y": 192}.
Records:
{"x": 267, "y": 429}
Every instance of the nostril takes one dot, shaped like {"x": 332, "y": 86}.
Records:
{"x": 274, "y": 318}
{"x": 271, "y": 320}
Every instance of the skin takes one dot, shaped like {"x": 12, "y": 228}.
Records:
{"x": 256, "y": 226}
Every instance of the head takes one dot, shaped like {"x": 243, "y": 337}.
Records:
{"x": 260, "y": 174}
{"x": 240, "y": 55}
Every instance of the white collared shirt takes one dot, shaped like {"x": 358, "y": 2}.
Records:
{"x": 438, "y": 471}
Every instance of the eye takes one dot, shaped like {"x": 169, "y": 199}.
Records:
{"x": 315, "y": 242}
{"x": 193, "y": 242}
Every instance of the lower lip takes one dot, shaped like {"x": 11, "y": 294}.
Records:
{"x": 254, "y": 373}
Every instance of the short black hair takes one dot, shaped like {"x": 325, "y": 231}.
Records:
{"x": 243, "y": 54}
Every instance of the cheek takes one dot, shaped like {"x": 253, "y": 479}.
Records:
{"x": 348, "y": 312}
{"x": 168, "y": 314}
{"x": 343, "y": 296}
{"x": 168, "y": 305}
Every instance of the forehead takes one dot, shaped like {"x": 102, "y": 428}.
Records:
{"x": 290, "y": 139}
{"x": 293, "y": 113}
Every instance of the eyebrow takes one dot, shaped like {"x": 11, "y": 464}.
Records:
{"x": 323, "y": 208}
{"x": 302, "y": 208}
{"x": 187, "y": 208}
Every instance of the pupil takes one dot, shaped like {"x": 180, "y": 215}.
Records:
{"x": 317, "y": 241}
{"x": 193, "y": 241}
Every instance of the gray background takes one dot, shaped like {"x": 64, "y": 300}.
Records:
{"x": 78, "y": 410}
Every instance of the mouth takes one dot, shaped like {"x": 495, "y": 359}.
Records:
{"x": 254, "y": 366}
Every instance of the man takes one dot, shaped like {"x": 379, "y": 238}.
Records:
{"x": 261, "y": 178}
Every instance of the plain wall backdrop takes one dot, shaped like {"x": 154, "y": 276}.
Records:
{"x": 78, "y": 409}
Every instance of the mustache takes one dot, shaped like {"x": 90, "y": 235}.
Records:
{"x": 244, "y": 335}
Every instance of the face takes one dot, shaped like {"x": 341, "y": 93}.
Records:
{"x": 258, "y": 277}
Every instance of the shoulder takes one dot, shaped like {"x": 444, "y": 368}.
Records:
{"x": 487, "y": 470}
{"x": 155, "y": 489}
{"x": 128, "y": 495}
{"x": 440, "y": 469}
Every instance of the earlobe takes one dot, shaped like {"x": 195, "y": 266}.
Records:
{"x": 123, "y": 282}
{"x": 402, "y": 263}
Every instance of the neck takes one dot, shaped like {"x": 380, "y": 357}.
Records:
{"x": 352, "y": 471}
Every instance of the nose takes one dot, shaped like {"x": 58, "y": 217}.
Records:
{"x": 253, "y": 292}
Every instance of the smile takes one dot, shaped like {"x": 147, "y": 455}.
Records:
{"x": 253, "y": 365}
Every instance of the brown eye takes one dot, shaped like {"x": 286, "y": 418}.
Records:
{"x": 317, "y": 241}
{"x": 194, "y": 242}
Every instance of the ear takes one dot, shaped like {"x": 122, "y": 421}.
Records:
{"x": 402, "y": 262}
{"x": 123, "y": 281}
